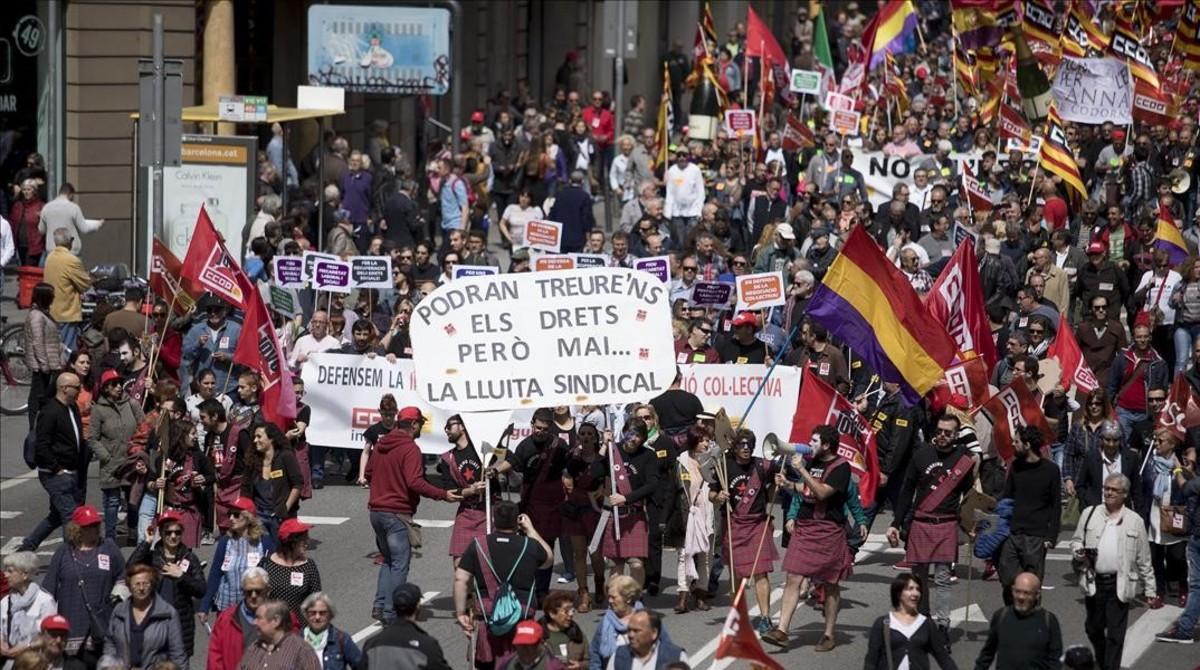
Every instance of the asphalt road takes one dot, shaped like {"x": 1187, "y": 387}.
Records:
{"x": 343, "y": 545}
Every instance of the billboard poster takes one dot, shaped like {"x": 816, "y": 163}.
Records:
{"x": 378, "y": 49}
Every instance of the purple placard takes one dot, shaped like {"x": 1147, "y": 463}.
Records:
{"x": 289, "y": 272}
{"x": 711, "y": 294}
{"x": 659, "y": 266}
{"x": 461, "y": 271}
{"x": 331, "y": 276}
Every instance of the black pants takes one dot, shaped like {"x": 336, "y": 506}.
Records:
{"x": 654, "y": 560}
{"x": 1107, "y": 618}
{"x": 1020, "y": 553}
{"x": 1170, "y": 565}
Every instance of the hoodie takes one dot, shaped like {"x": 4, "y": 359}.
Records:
{"x": 396, "y": 472}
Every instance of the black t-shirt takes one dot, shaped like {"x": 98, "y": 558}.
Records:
{"x": 739, "y": 483}
{"x": 400, "y": 345}
{"x": 375, "y": 432}
{"x": 503, "y": 550}
{"x": 469, "y": 467}
{"x": 839, "y": 479}
{"x": 732, "y": 351}
{"x": 677, "y": 409}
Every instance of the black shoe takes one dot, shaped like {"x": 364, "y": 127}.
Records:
{"x": 318, "y": 484}
{"x": 652, "y": 588}
{"x": 377, "y": 614}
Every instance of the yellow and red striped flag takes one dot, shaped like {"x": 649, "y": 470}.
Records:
{"x": 1056, "y": 156}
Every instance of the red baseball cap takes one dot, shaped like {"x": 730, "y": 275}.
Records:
{"x": 745, "y": 319}
{"x": 168, "y": 516}
{"x": 411, "y": 413}
{"x": 1096, "y": 248}
{"x": 109, "y": 375}
{"x": 477, "y": 117}
{"x": 292, "y": 527}
{"x": 85, "y": 515}
{"x": 243, "y": 504}
{"x": 56, "y": 622}
{"x": 528, "y": 632}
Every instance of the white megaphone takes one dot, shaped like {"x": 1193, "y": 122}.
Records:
{"x": 773, "y": 446}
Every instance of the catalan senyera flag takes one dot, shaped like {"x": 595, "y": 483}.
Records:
{"x": 866, "y": 302}
{"x": 893, "y": 84}
{"x": 964, "y": 70}
{"x": 1188, "y": 35}
{"x": 662, "y": 136}
{"x": 706, "y": 32}
{"x": 1126, "y": 45}
{"x": 892, "y": 30}
{"x": 1056, "y": 156}
{"x": 1168, "y": 238}
{"x": 1081, "y": 37}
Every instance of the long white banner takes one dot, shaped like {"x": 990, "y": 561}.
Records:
{"x": 343, "y": 391}
{"x": 882, "y": 172}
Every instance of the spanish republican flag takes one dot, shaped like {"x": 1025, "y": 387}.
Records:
{"x": 867, "y": 303}
{"x": 892, "y": 30}
{"x": 1168, "y": 238}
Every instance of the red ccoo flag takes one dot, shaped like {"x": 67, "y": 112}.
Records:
{"x": 209, "y": 264}
{"x": 1014, "y": 406}
{"x": 796, "y": 134}
{"x": 1075, "y": 369}
{"x": 978, "y": 199}
{"x": 1181, "y": 411}
{"x": 739, "y": 641}
{"x": 258, "y": 349}
{"x": 166, "y": 282}
{"x": 819, "y": 404}
{"x": 956, "y": 301}
{"x": 761, "y": 42}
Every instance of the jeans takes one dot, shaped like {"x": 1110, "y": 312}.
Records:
{"x": 391, "y": 538}
{"x": 1126, "y": 419}
{"x": 1105, "y": 624}
{"x": 69, "y": 334}
{"x": 935, "y": 597}
{"x": 41, "y": 386}
{"x": 146, "y": 512}
{"x": 1056, "y": 454}
{"x": 1187, "y": 621}
{"x": 65, "y": 496}
{"x": 680, "y": 227}
{"x": 270, "y": 524}
{"x": 1185, "y": 334}
{"x": 113, "y": 500}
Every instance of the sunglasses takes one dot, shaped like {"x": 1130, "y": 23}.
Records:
{"x": 1036, "y": 331}
{"x": 645, "y": 417}
{"x": 254, "y": 592}
{"x": 690, "y": 268}
{"x": 172, "y": 533}
{"x": 739, "y": 264}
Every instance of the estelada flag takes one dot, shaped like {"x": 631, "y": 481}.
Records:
{"x": 819, "y": 404}
{"x": 739, "y": 641}
{"x": 1181, "y": 411}
{"x": 1014, "y": 406}
{"x": 166, "y": 282}
{"x": 209, "y": 264}
{"x": 957, "y": 302}
{"x": 1075, "y": 369}
{"x": 258, "y": 349}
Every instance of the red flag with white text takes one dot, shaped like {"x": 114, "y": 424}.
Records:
{"x": 1075, "y": 369}
{"x": 956, "y": 301}
{"x": 166, "y": 282}
{"x": 977, "y": 198}
{"x": 1014, "y": 406}
{"x": 968, "y": 378}
{"x": 739, "y": 641}
{"x": 209, "y": 264}
{"x": 258, "y": 349}
{"x": 1181, "y": 411}
{"x": 796, "y": 134}
{"x": 819, "y": 404}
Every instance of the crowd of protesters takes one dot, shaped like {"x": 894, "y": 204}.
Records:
{"x": 185, "y": 452}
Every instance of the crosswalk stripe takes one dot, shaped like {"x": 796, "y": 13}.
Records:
{"x": 375, "y": 627}
{"x": 18, "y": 480}
{"x": 323, "y": 520}
{"x": 5, "y": 514}
{"x": 435, "y": 523}
{"x": 1141, "y": 634}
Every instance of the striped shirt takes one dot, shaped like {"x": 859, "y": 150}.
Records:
{"x": 291, "y": 653}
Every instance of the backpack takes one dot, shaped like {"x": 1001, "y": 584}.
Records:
{"x": 507, "y": 610}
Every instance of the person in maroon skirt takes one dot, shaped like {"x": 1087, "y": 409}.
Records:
{"x": 930, "y": 499}
{"x": 817, "y": 522}
{"x": 461, "y": 470}
{"x": 635, "y": 472}
{"x": 581, "y": 515}
{"x": 751, "y": 484}
{"x": 541, "y": 459}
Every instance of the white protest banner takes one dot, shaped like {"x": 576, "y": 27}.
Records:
{"x": 836, "y": 102}
{"x": 590, "y": 336}
{"x": 544, "y": 235}
{"x": 1093, "y": 90}
{"x": 474, "y": 271}
{"x": 590, "y": 260}
{"x": 310, "y": 260}
{"x": 371, "y": 271}
{"x": 807, "y": 82}
{"x": 760, "y": 291}
{"x": 331, "y": 276}
{"x": 550, "y": 262}
{"x": 732, "y": 387}
{"x": 659, "y": 266}
{"x": 343, "y": 391}
{"x": 882, "y": 172}
{"x": 288, "y": 272}
{"x": 740, "y": 122}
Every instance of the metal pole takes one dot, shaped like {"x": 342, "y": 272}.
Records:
{"x": 456, "y": 81}
{"x": 160, "y": 140}
{"x": 618, "y": 87}
{"x": 283, "y": 197}
{"x": 320, "y": 241}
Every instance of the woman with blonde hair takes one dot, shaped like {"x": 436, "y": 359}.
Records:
{"x": 243, "y": 546}
{"x": 765, "y": 241}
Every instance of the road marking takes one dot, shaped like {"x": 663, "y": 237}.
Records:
{"x": 972, "y": 613}
{"x": 18, "y": 480}
{"x": 711, "y": 646}
{"x": 324, "y": 520}
{"x": 4, "y": 514}
{"x": 375, "y": 627}
{"x": 1141, "y": 634}
{"x": 10, "y": 547}
{"x": 435, "y": 523}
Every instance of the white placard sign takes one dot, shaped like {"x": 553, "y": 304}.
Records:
{"x": 732, "y": 387}
{"x": 585, "y": 336}
{"x": 1093, "y": 90}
